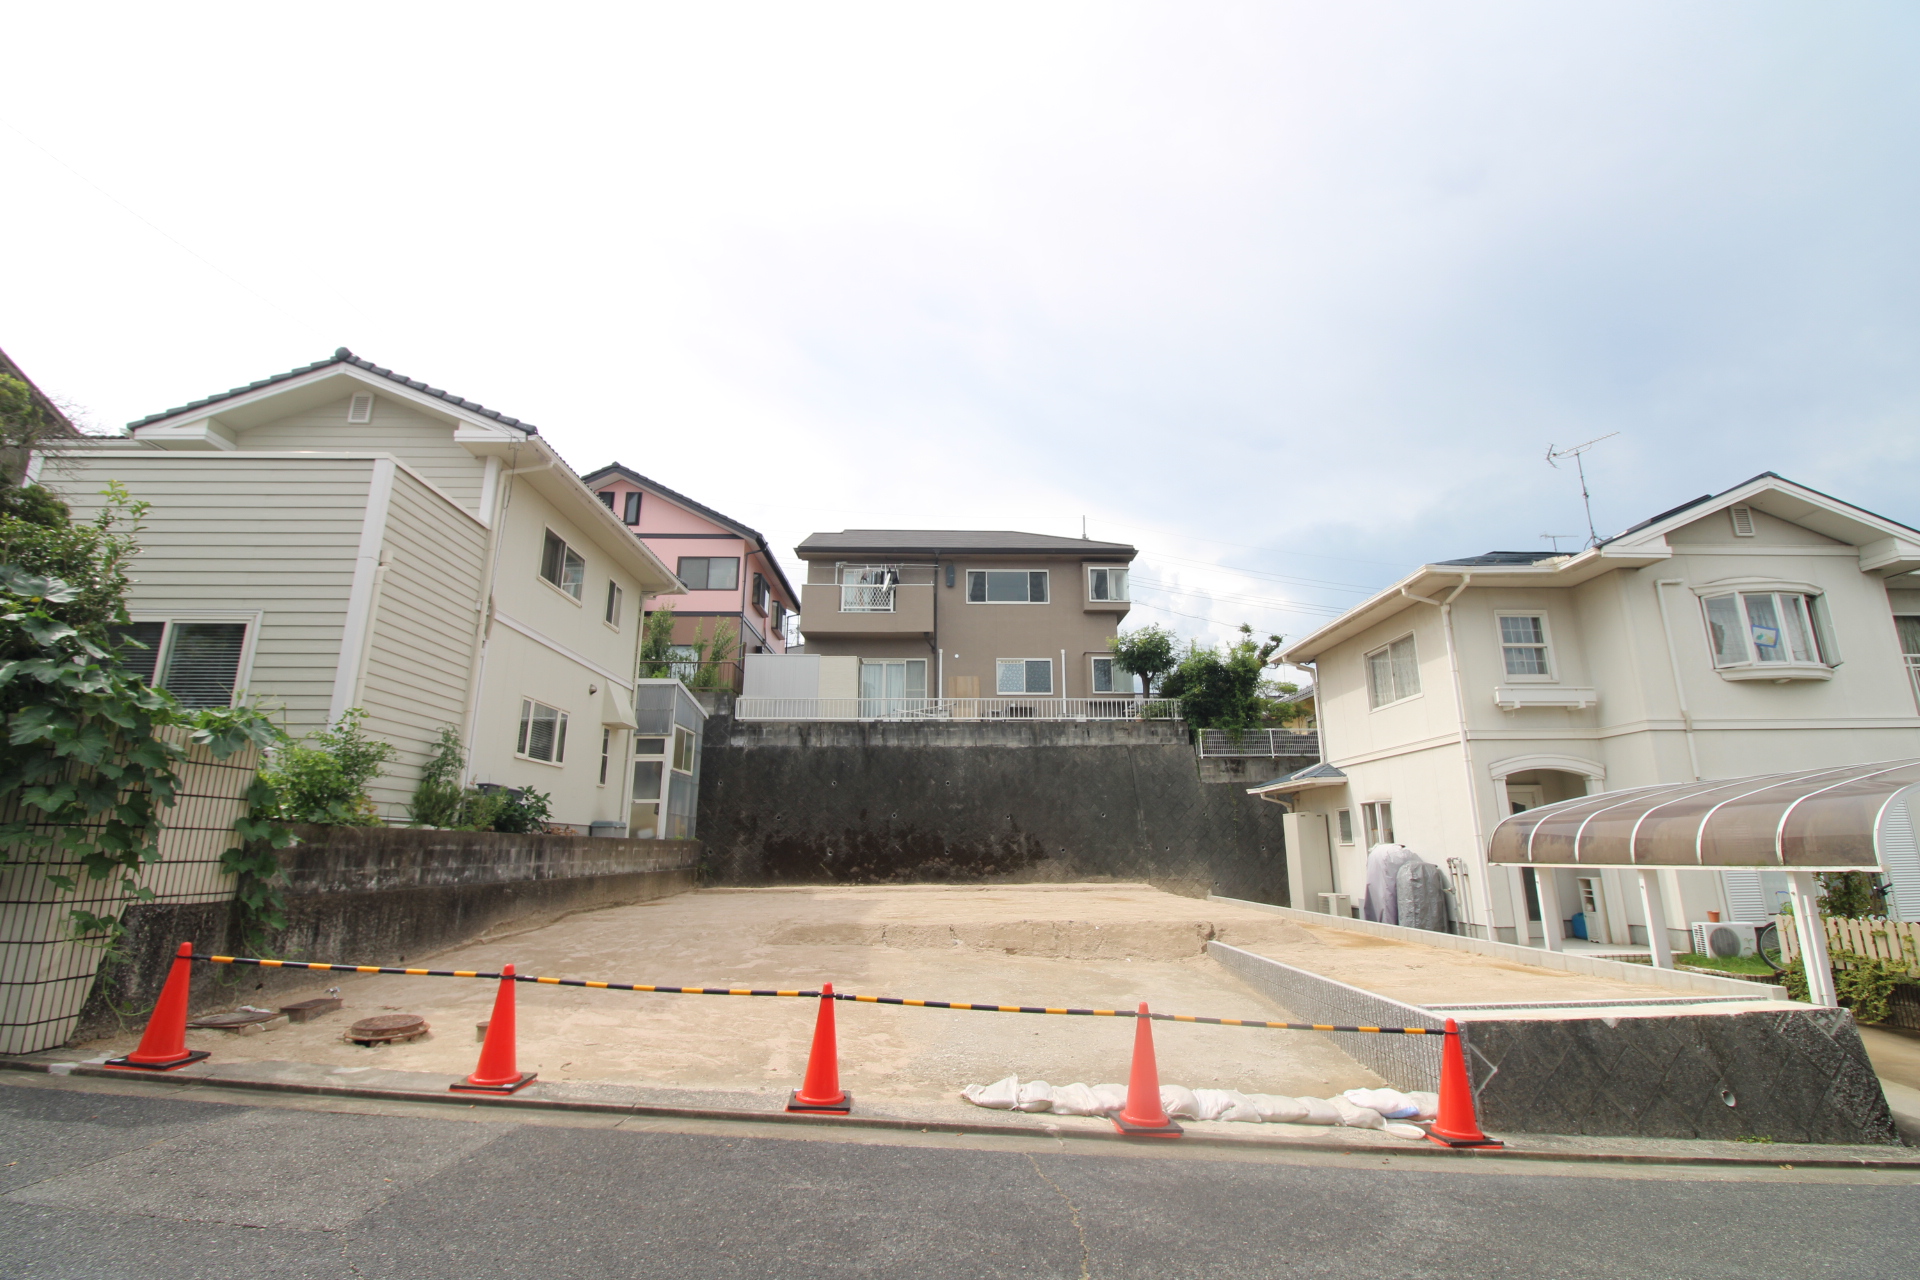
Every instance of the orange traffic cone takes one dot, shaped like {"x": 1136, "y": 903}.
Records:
{"x": 821, "y": 1090}
{"x": 498, "y": 1071}
{"x": 1456, "y": 1125}
{"x": 1143, "y": 1115}
{"x": 163, "y": 1046}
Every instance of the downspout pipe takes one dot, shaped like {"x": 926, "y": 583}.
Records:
{"x": 1445, "y": 605}
{"x": 1673, "y": 666}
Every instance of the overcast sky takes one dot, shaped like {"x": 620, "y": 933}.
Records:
{"x": 1291, "y": 296}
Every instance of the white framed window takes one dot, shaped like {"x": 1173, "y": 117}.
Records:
{"x": 1769, "y": 633}
{"x": 199, "y": 660}
{"x": 1007, "y": 586}
{"x": 886, "y": 687}
{"x": 360, "y": 408}
{"x": 561, "y": 565}
{"x": 1107, "y": 582}
{"x": 1345, "y": 825}
{"x": 1108, "y": 677}
{"x": 1523, "y": 645}
{"x": 1022, "y": 676}
{"x": 543, "y": 733}
{"x": 1393, "y": 672}
{"x": 683, "y": 749}
{"x": 1378, "y": 815}
{"x": 606, "y": 753}
{"x": 709, "y": 573}
{"x": 616, "y": 605}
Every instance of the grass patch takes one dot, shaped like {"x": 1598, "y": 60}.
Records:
{"x": 1727, "y": 964}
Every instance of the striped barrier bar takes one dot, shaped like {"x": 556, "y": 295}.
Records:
{"x": 838, "y": 995}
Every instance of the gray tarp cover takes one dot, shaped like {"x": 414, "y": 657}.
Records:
{"x": 1812, "y": 820}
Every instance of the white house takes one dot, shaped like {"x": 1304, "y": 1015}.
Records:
{"x": 1765, "y": 629}
{"x": 342, "y": 536}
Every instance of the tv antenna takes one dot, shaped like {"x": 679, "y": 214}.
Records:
{"x": 1576, "y": 452}
{"x": 1554, "y": 538}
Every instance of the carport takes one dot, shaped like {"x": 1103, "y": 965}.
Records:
{"x": 1851, "y": 818}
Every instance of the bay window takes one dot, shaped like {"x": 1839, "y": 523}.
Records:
{"x": 1770, "y": 633}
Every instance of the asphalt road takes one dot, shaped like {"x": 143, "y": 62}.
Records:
{"x": 104, "y": 1180}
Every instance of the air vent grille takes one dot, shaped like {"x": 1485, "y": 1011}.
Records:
{"x": 1742, "y": 521}
{"x": 360, "y": 408}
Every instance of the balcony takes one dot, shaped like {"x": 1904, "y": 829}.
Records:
{"x": 833, "y": 609}
{"x": 948, "y": 710}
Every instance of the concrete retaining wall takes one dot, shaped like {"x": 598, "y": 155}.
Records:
{"x": 869, "y": 803}
{"x": 378, "y": 895}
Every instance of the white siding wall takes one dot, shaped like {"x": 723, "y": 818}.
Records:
{"x": 417, "y": 672}
{"x": 423, "y": 443}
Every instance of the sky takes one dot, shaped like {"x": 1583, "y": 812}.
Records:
{"x": 1291, "y": 296}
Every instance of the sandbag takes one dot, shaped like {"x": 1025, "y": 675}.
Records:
{"x": 1210, "y": 1103}
{"x": 1319, "y": 1111}
{"x": 1240, "y": 1108}
{"x": 1278, "y": 1109}
{"x": 1355, "y": 1117}
{"x": 1112, "y": 1097}
{"x": 1390, "y": 1103}
{"x": 1427, "y": 1105}
{"x": 1035, "y": 1095}
{"x": 1001, "y": 1095}
{"x": 1178, "y": 1100}
{"x": 1077, "y": 1100}
{"x": 1410, "y": 1131}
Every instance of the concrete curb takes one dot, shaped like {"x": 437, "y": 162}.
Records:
{"x": 1535, "y": 1147}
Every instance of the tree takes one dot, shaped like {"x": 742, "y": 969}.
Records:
{"x": 25, "y": 423}
{"x": 656, "y": 642}
{"x": 1220, "y": 689}
{"x": 1144, "y": 652}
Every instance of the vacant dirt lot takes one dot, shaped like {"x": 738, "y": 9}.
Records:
{"x": 1106, "y": 946}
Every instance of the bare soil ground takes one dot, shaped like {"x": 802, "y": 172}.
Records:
{"x": 1102, "y": 946}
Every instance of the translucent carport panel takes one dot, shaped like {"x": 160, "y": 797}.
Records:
{"x": 1509, "y": 843}
{"x": 1667, "y": 837}
{"x": 1608, "y": 840}
{"x": 1740, "y": 832}
{"x": 1836, "y": 828}
{"x": 1553, "y": 840}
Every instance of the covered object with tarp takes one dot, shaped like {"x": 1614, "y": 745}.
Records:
{"x": 1848, "y": 818}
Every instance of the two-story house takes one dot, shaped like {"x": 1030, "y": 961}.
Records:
{"x": 1764, "y": 629}
{"x": 955, "y": 622}
{"x": 730, "y": 574}
{"x": 341, "y": 536}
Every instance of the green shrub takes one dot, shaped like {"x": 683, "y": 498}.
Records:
{"x": 437, "y": 796}
{"x": 323, "y": 778}
{"x": 515, "y": 812}
{"x": 1221, "y": 689}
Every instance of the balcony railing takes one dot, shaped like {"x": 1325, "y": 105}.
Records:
{"x": 1256, "y": 743}
{"x": 863, "y": 598}
{"x": 957, "y": 709}
{"x": 1913, "y": 671}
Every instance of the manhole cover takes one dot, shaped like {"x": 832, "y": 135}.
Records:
{"x": 230, "y": 1021}
{"x": 387, "y": 1028}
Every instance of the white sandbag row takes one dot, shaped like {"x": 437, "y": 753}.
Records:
{"x": 1382, "y": 1109}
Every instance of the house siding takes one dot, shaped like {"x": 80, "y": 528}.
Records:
{"x": 425, "y": 444}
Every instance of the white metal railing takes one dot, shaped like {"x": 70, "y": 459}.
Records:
{"x": 1256, "y": 742}
{"x": 863, "y": 598}
{"x": 1111, "y": 708}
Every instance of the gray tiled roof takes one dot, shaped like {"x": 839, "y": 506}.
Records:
{"x": 1504, "y": 557}
{"x": 344, "y": 356}
{"x": 1321, "y": 770}
{"x": 928, "y": 542}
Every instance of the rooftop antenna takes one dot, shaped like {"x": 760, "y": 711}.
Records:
{"x": 1554, "y": 538}
{"x": 1083, "y": 528}
{"x": 1575, "y": 452}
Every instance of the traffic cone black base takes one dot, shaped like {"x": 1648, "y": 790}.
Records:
{"x": 1482, "y": 1143}
{"x": 123, "y": 1064}
{"x": 840, "y": 1108}
{"x": 1171, "y": 1129}
{"x": 465, "y": 1087}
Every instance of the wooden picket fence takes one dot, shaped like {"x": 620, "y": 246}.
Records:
{"x": 1875, "y": 939}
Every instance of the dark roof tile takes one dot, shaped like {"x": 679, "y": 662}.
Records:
{"x": 951, "y": 541}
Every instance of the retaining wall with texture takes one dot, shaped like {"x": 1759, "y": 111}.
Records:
{"x": 378, "y": 895}
{"x": 871, "y": 803}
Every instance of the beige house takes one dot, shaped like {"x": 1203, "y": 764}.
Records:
{"x": 954, "y": 622}
{"x": 1765, "y": 629}
{"x": 342, "y": 536}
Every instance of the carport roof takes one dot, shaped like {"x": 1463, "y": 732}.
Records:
{"x": 1812, "y": 820}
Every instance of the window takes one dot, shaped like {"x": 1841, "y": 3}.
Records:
{"x": 1107, "y": 584}
{"x": 1345, "y": 817}
{"x": 360, "y": 408}
{"x": 710, "y": 573}
{"x": 683, "y": 744}
{"x": 631, "y": 513}
{"x": 1023, "y": 675}
{"x": 1523, "y": 644}
{"x": 1769, "y": 628}
{"x": 616, "y": 604}
{"x": 762, "y": 594}
{"x": 1379, "y": 820}
{"x": 1106, "y": 676}
{"x": 867, "y": 588}
{"x": 606, "y": 753}
{"x": 543, "y": 732}
{"x": 1006, "y": 586}
{"x": 1909, "y": 629}
{"x": 197, "y": 662}
{"x": 561, "y": 565}
{"x": 606, "y": 498}
{"x": 888, "y": 688}
{"x": 1393, "y": 673}
{"x": 777, "y": 620}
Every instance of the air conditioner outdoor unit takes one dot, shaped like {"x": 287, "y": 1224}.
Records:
{"x": 1725, "y": 938}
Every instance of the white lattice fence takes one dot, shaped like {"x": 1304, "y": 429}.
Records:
{"x": 45, "y": 971}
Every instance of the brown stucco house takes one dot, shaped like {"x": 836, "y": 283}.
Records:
{"x": 954, "y": 623}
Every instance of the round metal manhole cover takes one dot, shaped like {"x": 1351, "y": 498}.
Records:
{"x": 229, "y": 1021}
{"x": 387, "y": 1027}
